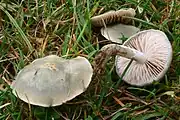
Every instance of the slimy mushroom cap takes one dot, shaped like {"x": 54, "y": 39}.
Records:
{"x": 52, "y": 81}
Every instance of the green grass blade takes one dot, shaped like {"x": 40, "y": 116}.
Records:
{"x": 19, "y": 29}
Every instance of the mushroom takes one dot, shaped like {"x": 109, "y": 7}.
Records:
{"x": 151, "y": 52}
{"x": 51, "y": 81}
{"x": 117, "y": 32}
{"x": 113, "y": 17}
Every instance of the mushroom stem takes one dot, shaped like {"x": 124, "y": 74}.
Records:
{"x": 115, "y": 49}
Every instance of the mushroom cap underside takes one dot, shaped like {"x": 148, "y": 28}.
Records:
{"x": 157, "y": 49}
{"x": 51, "y": 81}
{"x": 113, "y": 17}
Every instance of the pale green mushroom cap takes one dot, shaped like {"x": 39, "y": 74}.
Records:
{"x": 51, "y": 81}
{"x": 118, "y": 32}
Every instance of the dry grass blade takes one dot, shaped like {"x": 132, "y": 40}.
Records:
{"x": 133, "y": 97}
{"x": 7, "y": 81}
{"x": 2, "y": 87}
{"x": 139, "y": 112}
{"x": 118, "y": 101}
{"x": 2, "y": 106}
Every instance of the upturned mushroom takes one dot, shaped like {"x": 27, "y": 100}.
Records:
{"x": 52, "y": 81}
{"x": 151, "y": 52}
{"x": 113, "y": 17}
{"x": 113, "y": 24}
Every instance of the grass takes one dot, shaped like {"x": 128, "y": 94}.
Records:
{"x": 33, "y": 29}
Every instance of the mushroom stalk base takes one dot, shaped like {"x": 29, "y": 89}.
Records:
{"x": 114, "y": 49}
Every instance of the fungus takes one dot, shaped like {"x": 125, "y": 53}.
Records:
{"x": 151, "y": 52}
{"x": 51, "y": 81}
{"x": 113, "y": 17}
{"x": 118, "y": 32}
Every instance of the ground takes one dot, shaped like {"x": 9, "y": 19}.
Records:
{"x": 33, "y": 29}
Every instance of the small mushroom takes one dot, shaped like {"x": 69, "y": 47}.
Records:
{"x": 113, "y": 17}
{"x": 118, "y": 32}
{"x": 151, "y": 52}
{"x": 51, "y": 81}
